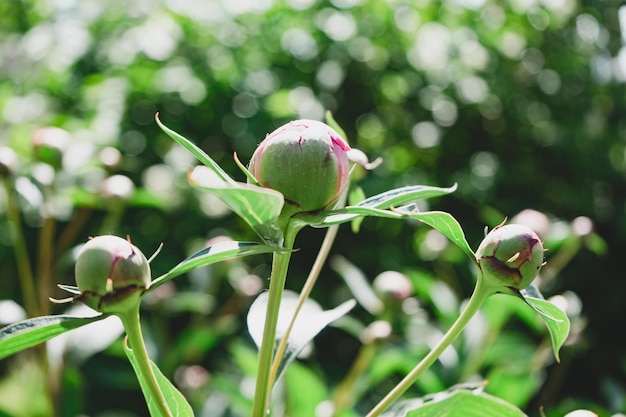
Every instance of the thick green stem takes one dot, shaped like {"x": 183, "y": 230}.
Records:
{"x": 280, "y": 264}
{"x": 327, "y": 244}
{"x": 132, "y": 326}
{"x": 481, "y": 292}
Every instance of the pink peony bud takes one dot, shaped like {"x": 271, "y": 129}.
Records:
{"x": 510, "y": 255}
{"x": 110, "y": 273}
{"x": 306, "y": 161}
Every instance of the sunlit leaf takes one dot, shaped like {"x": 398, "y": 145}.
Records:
{"x": 456, "y": 402}
{"x": 213, "y": 254}
{"x": 28, "y": 333}
{"x": 311, "y": 320}
{"x": 196, "y": 151}
{"x": 257, "y": 206}
{"x": 176, "y": 402}
{"x": 556, "y": 321}
{"x": 448, "y": 226}
{"x": 392, "y": 198}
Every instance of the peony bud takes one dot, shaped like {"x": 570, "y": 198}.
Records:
{"x": 511, "y": 256}
{"x": 111, "y": 273}
{"x": 305, "y": 160}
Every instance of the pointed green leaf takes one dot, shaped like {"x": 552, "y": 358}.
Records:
{"x": 213, "y": 254}
{"x": 448, "y": 226}
{"x": 392, "y": 198}
{"x": 196, "y": 151}
{"x": 556, "y": 321}
{"x": 257, "y": 206}
{"x": 176, "y": 402}
{"x": 455, "y": 403}
{"x": 311, "y": 320}
{"x": 28, "y": 333}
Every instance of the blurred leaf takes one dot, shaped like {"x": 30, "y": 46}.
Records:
{"x": 28, "y": 333}
{"x": 311, "y": 320}
{"x": 305, "y": 391}
{"x": 176, "y": 402}
{"x": 456, "y": 402}
{"x": 358, "y": 284}
{"x": 210, "y": 255}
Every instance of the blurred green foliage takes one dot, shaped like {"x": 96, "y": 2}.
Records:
{"x": 519, "y": 102}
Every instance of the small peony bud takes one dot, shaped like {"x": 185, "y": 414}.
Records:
{"x": 9, "y": 162}
{"x": 511, "y": 256}
{"x": 50, "y": 143}
{"x": 393, "y": 286}
{"x": 111, "y": 273}
{"x": 305, "y": 160}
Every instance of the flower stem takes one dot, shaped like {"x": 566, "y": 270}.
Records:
{"x": 481, "y": 293}
{"x": 280, "y": 264}
{"x": 27, "y": 280}
{"x": 132, "y": 326}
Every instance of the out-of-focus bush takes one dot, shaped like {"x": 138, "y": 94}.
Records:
{"x": 518, "y": 102}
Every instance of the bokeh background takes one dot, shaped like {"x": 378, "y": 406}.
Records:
{"x": 518, "y": 102}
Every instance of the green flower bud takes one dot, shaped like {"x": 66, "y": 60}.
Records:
{"x": 306, "y": 161}
{"x": 50, "y": 143}
{"x": 510, "y": 256}
{"x": 111, "y": 273}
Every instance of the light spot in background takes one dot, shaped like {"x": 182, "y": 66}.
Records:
{"x": 484, "y": 166}
{"x": 549, "y": 81}
{"x": 245, "y": 105}
{"x": 406, "y": 19}
{"x": 426, "y": 134}
{"x": 472, "y": 89}
{"x": 299, "y": 43}
{"x": 21, "y": 109}
{"x": 430, "y": 51}
{"x": 473, "y": 54}
{"x": 338, "y": 26}
{"x": 305, "y": 104}
{"x": 445, "y": 111}
{"x": 587, "y": 28}
{"x": 370, "y": 128}
{"x": 261, "y": 82}
{"x": 511, "y": 45}
{"x": 532, "y": 60}
{"x": 433, "y": 244}
{"x": 246, "y": 6}
{"x": 330, "y": 75}
{"x": 301, "y": 4}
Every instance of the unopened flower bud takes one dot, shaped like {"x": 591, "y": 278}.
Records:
{"x": 50, "y": 143}
{"x": 305, "y": 160}
{"x": 111, "y": 273}
{"x": 511, "y": 256}
{"x": 393, "y": 286}
{"x": 9, "y": 161}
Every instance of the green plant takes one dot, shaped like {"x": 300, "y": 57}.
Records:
{"x": 282, "y": 322}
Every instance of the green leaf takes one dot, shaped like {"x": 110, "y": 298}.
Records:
{"x": 392, "y": 198}
{"x": 197, "y": 152}
{"x": 213, "y": 254}
{"x": 176, "y": 402}
{"x": 456, "y": 402}
{"x": 257, "y": 206}
{"x": 444, "y": 222}
{"x": 448, "y": 226}
{"x": 28, "y": 333}
{"x": 556, "y": 321}
{"x": 305, "y": 391}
